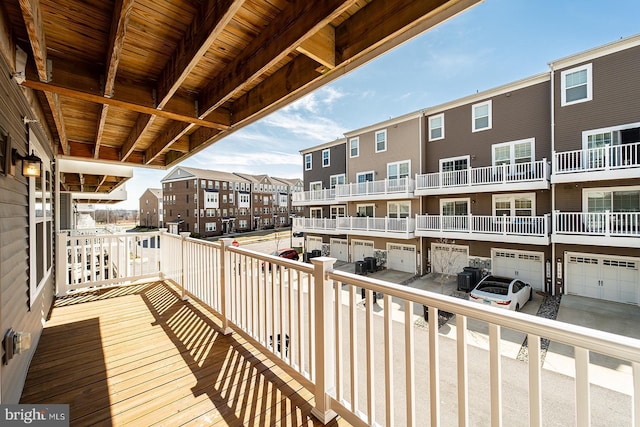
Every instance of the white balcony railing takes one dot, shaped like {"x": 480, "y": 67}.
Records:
{"x": 314, "y": 196}
{"x": 610, "y": 224}
{"x": 402, "y": 187}
{"x": 369, "y": 364}
{"x": 314, "y": 224}
{"x": 390, "y": 225}
{"x": 597, "y": 159}
{"x": 505, "y": 225}
{"x": 500, "y": 174}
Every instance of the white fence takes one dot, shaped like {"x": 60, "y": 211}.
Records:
{"x": 500, "y": 174}
{"x": 377, "y": 188}
{"x": 368, "y": 361}
{"x": 324, "y": 195}
{"x": 506, "y": 225}
{"x": 597, "y": 159}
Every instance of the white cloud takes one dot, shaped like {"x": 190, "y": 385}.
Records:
{"x": 321, "y": 99}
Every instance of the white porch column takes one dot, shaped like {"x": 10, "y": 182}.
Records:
{"x": 324, "y": 338}
{"x": 183, "y": 238}
{"x": 225, "y": 288}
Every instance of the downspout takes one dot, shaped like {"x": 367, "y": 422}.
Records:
{"x": 420, "y": 170}
{"x": 553, "y": 187}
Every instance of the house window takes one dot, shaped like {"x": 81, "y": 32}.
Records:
{"x": 316, "y": 212}
{"x": 307, "y": 162}
{"x": 454, "y": 164}
{"x": 210, "y": 226}
{"x": 354, "y": 147}
{"x": 336, "y": 180}
{"x": 399, "y": 209}
{"x": 338, "y": 211}
{"x": 481, "y": 116}
{"x": 436, "y": 127}
{"x": 364, "y": 176}
{"x": 513, "y": 152}
{"x": 326, "y": 158}
{"x": 365, "y": 210}
{"x": 454, "y": 207}
{"x": 599, "y": 140}
{"x": 576, "y": 85}
{"x": 398, "y": 170}
{"x": 381, "y": 141}
{"x": 40, "y": 225}
{"x": 521, "y": 204}
{"x": 618, "y": 199}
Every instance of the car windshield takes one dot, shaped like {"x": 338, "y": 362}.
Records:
{"x": 494, "y": 287}
{"x": 276, "y": 253}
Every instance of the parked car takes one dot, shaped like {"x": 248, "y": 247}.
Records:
{"x": 298, "y": 234}
{"x": 287, "y": 253}
{"x": 504, "y": 292}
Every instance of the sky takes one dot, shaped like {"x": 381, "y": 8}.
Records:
{"x": 494, "y": 43}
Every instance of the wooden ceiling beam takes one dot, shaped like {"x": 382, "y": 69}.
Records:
{"x": 143, "y": 123}
{"x": 289, "y": 30}
{"x": 32, "y": 16}
{"x": 321, "y": 47}
{"x": 175, "y": 131}
{"x": 99, "y": 99}
{"x": 207, "y": 25}
{"x": 121, "y": 13}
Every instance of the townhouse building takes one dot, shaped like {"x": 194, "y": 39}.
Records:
{"x": 269, "y": 207}
{"x": 206, "y": 202}
{"x": 537, "y": 179}
{"x": 596, "y": 172}
{"x": 151, "y": 208}
{"x": 289, "y": 186}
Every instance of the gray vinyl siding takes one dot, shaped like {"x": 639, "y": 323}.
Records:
{"x": 403, "y": 143}
{"x": 520, "y": 114}
{"x": 337, "y": 166}
{"x": 14, "y": 248}
{"x": 616, "y": 99}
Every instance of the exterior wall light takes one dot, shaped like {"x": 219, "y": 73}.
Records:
{"x": 31, "y": 164}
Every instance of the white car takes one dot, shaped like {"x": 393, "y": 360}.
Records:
{"x": 504, "y": 292}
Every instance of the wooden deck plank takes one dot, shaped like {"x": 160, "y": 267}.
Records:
{"x": 141, "y": 356}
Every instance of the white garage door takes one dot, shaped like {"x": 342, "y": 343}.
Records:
{"x": 526, "y": 266}
{"x": 448, "y": 259}
{"x": 401, "y": 257}
{"x": 314, "y": 242}
{"x": 361, "y": 249}
{"x": 604, "y": 277}
{"x": 340, "y": 249}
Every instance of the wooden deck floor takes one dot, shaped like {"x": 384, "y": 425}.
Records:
{"x": 140, "y": 356}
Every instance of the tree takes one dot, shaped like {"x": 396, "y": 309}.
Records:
{"x": 445, "y": 260}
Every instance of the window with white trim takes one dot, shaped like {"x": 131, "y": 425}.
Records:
{"x": 518, "y": 204}
{"x": 399, "y": 209}
{"x": 338, "y": 211}
{"x": 316, "y": 212}
{"x": 364, "y": 176}
{"x": 336, "y": 180}
{"x": 612, "y": 199}
{"x": 40, "y": 224}
{"x": 576, "y": 85}
{"x": 354, "y": 147}
{"x": 436, "y": 127}
{"x": 315, "y": 186}
{"x": 326, "y": 158}
{"x": 397, "y": 170}
{"x": 481, "y": 116}
{"x": 513, "y": 152}
{"x": 381, "y": 141}
{"x": 307, "y": 162}
{"x": 454, "y": 164}
{"x": 210, "y": 226}
{"x": 454, "y": 207}
{"x": 366, "y": 210}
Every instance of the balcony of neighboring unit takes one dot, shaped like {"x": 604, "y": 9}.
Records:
{"x": 508, "y": 229}
{"x": 315, "y": 225}
{"x": 620, "y": 229}
{"x": 324, "y": 196}
{"x": 597, "y": 164}
{"x": 505, "y": 177}
{"x": 387, "y": 189}
{"x": 399, "y": 228}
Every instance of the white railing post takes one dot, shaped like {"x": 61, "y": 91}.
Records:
{"x": 607, "y": 151}
{"x": 469, "y": 223}
{"x": 324, "y": 338}
{"x": 62, "y": 264}
{"x": 504, "y": 173}
{"x": 162, "y": 261}
{"x": 225, "y": 288}
{"x": 183, "y": 239}
{"x": 469, "y": 176}
{"x": 386, "y": 224}
{"x": 607, "y": 224}
{"x": 504, "y": 224}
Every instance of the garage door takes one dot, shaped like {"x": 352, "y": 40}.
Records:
{"x": 340, "y": 249}
{"x": 526, "y": 266}
{"x": 448, "y": 259}
{"x": 313, "y": 243}
{"x": 401, "y": 257}
{"x": 603, "y": 277}
{"x": 361, "y": 249}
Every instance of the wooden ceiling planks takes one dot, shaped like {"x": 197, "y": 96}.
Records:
{"x": 148, "y": 82}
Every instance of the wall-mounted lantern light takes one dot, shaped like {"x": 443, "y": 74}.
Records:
{"x": 31, "y": 164}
